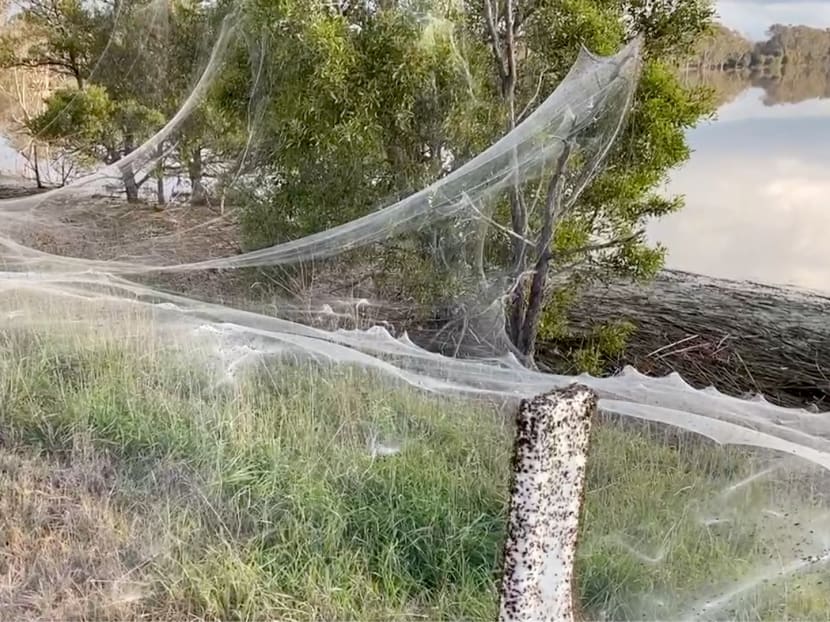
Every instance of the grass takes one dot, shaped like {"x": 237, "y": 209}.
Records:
{"x": 135, "y": 485}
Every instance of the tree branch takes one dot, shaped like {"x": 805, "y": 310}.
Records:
{"x": 144, "y": 179}
{"x": 523, "y": 16}
{"x": 495, "y": 40}
{"x": 510, "y": 53}
{"x": 526, "y": 109}
{"x": 38, "y": 63}
{"x": 590, "y": 248}
{"x": 527, "y": 338}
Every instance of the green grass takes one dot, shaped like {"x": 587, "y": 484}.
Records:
{"x": 135, "y": 485}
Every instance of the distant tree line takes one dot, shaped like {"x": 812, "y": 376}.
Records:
{"x": 726, "y": 49}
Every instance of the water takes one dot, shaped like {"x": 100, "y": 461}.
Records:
{"x": 757, "y": 190}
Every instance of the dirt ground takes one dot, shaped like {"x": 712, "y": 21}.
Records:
{"x": 106, "y": 227}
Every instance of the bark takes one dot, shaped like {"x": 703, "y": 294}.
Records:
{"x": 36, "y": 162}
{"x": 76, "y": 71}
{"x": 195, "y": 171}
{"x": 526, "y": 341}
{"x": 546, "y": 495}
{"x": 737, "y": 336}
{"x": 130, "y": 184}
{"x": 160, "y": 198}
{"x": 524, "y": 310}
{"x": 504, "y": 56}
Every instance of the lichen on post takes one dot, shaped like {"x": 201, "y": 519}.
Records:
{"x": 549, "y": 457}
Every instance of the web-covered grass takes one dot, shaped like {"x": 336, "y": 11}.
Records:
{"x": 135, "y": 485}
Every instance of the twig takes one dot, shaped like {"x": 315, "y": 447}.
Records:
{"x": 532, "y": 99}
{"x": 672, "y": 345}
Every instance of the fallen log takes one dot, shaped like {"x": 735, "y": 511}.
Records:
{"x": 741, "y": 337}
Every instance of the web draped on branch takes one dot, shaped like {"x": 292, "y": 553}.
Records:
{"x": 72, "y": 265}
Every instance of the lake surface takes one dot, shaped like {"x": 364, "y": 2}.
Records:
{"x": 757, "y": 191}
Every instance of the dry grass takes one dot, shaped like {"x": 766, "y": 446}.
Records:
{"x": 69, "y": 551}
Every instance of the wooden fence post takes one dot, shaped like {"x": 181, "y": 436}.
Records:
{"x": 549, "y": 457}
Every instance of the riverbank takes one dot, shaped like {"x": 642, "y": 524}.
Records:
{"x": 142, "y": 484}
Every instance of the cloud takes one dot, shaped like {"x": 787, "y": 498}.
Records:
{"x": 753, "y": 17}
{"x": 752, "y": 219}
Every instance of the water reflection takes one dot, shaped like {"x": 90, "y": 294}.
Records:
{"x": 757, "y": 189}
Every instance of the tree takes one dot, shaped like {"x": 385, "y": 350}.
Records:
{"x": 362, "y": 81}
{"x": 134, "y": 63}
{"x": 103, "y": 118}
{"x": 207, "y": 135}
{"x": 96, "y": 128}
{"x": 722, "y": 48}
{"x": 61, "y": 35}
{"x": 23, "y": 90}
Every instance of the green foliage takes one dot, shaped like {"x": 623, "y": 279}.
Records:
{"x": 362, "y": 105}
{"x": 603, "y": 347}
{"x": 622, "y": 198}
{"x": 362, "y": 109}
{"x": 63, "y": 35}
{"x": 90, "y": 123}
{"x": 84, "y": 113}
{"x": 554, "y": 323}
{"x": 134, "y": 62}
{"x": 652, "y": 143}
{"x": 670, "y": 28}
{"x": 595, "y": 351}
{"x": 365, "y": 104}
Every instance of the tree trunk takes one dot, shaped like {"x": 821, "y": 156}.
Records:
{"x": 546, "y": 493}
{"x": 737, "y": 336}
{"x": 198, "y": 193}
{"x": 160, "y": 199}
{"x": 529, "y": 329}
{"x": 76, "y": 71}
{"x": 128, "y": 174}
{"x": 130, "y": 185}
{"x": 38, "y": 179}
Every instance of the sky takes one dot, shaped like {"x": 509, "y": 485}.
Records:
{"x": 753, "y": 17}
{"x": 757, "y": 194}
